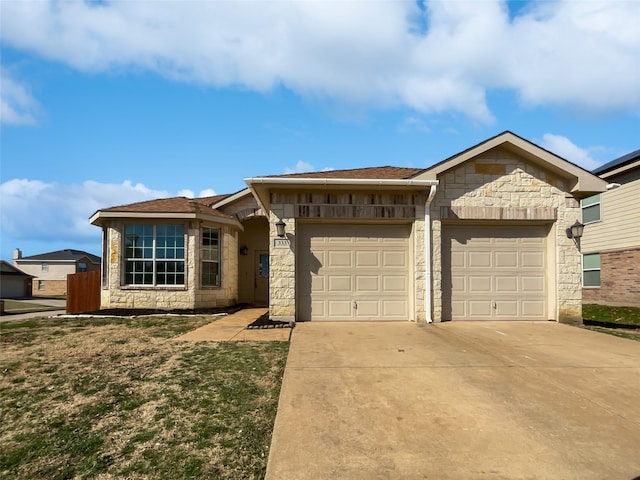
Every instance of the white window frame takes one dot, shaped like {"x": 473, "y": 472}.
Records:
{"x": 593, "y": 205}
{"x": 584, "y": 270}
{"x": 40, "y": 285}
{"x": 44, "y": 267}
{"x": 154, "y": 259}
{"x": 206, "y": 259}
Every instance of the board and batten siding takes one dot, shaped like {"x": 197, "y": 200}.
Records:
{"x": 619, "y": 225}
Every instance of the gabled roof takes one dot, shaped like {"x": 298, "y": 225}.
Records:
{"x": 174, "y": 207}
{"x": 67, "y": 255}
{"x": 619, "y": 165}
{"x": 374, "y": 173}
{"x": 6, "y": 269}
{"x": 583, "y": 183}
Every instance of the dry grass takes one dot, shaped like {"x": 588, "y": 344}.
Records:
{"x": 120, "y": 398}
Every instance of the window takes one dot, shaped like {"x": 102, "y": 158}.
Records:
{"x": 154, "y": 255}
{"x": 210, "y": 257}
{"x": 591, "y": 270}
{"x": 82, "y": 267}
{"x": 44, "y": 267}
{"x": 40, "y": 284}
{"x": 590, "y": 209}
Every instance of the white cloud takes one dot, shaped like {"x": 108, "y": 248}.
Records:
{"x": 301, "y": 167}
{"x": 36, "y": 210}
{"x": 186, "y": 193}
{"x": 565, "y": 148}
{"x": 207, "y": 192}
{"x": 446, "y": 58}
{"x": 17, "y": 105}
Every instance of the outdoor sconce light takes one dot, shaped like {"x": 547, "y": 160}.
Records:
{"x": 575, "y": 232}
{"x": 244, "y": 250}
{"x": 280, "y": 228}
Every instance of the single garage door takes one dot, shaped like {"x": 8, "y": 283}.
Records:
{"x": 349, "y": 272}
{"x": 494, "y": 273}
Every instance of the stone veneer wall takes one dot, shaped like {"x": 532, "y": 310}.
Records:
{"x": 114, "y": 295}
{"x": 619, "y": 279}
{"x": 369, "y": 207}
{"x": 499, "y": 185}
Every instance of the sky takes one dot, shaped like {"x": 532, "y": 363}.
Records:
{"x": 104, "y": 103}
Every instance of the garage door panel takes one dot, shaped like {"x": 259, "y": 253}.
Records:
{"x": 368, "y": 259}
{"x": 366, "y": 275}
{"x": 494, "y": 272}
{"x": 394, "y": 283}
{"x": 394, "y": 258}
{"x": 339, "y": 284}
{"x": 506, "y": 284}
{"x": 532, "y": 259}
{"x": 478, "y": 259}
{"x": 506, "y": 259}
{"x": 479, "y": 308}
{"x": 368, "y": 283}
{"x": 531, "y": 284}
{"x": 340, "y": 259}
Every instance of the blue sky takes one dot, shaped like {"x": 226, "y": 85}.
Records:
{"x": 106, "y": 103}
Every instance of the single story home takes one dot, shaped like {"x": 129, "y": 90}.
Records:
{"x": 481, "y": 235}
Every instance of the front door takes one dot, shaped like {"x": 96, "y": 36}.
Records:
{"x": 261, "y": 285}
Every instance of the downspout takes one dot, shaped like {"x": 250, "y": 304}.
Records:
{"x": 427, "y": 253}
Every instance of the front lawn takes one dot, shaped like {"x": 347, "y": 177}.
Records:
{"x": 114, "y": 398}
{"x": 620, "y": 321}
{"x": 13, "y": 307}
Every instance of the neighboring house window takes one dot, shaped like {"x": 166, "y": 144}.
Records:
{"x": 82, "y": 267}
{"x": 44, "y": 267}
{"x": 40, "y": 284}
{"x": 154, "y": 255}
{"x": 591, "y": 270}
{"x": 590, "y": 209}
{"x": 210, "y": 257}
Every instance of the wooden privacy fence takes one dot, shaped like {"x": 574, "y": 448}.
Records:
{"x": 83, "y": 292}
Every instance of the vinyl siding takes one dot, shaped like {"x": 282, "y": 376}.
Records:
{"x": 619, "y": 225}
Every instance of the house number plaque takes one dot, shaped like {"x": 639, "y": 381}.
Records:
{"x": 280, "y": 242}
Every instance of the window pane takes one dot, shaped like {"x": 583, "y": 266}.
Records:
{"x": 210, "y": 274}
{"x": 591, "y": 261}
{"x": 591, "y": 214}
{"x": 592, "y": 278}
{"x": 591, "y": 200}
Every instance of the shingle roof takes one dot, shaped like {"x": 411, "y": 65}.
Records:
{"x": 371, "y": 173}
{"x": 168, "y": 205}
{"x": 211, "y": 200}
{"x": 618, "y": 162}
{"x": 63, "y": 255}
{"x": 6, "y": 269}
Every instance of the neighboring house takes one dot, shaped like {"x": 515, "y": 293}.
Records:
{"x": 14, "y": 283}
{"x": 480, "y": 235}
{"x": 50, "y": 270}
{"x": 611, "y": 240}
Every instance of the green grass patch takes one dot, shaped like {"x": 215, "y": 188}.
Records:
{"x": 14, "y": 307}
{"x": 613, "y": 315}
{"x": 120, "y": 398}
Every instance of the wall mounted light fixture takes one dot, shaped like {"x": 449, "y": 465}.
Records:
{"x": 575, "y": 232}
{"x": 280, "y": 228}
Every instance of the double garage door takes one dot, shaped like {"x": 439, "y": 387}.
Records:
{"x": 353, "y": 272}
{"x": 494, "y": 273}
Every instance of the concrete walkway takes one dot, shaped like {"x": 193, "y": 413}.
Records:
{"x": 233, "y": 328}
{"x": 482, "y": 400}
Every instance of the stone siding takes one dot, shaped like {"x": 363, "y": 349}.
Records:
{"x": 619, "y": 279}
{"x": 499, "y": 188}
{"x": 116, "y": 295}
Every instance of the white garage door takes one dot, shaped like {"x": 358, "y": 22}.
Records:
{"x": 494, "y": 273}
{"x": 348, "y": 272}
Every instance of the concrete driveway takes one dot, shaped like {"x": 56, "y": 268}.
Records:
{"x": 457, "y": 400}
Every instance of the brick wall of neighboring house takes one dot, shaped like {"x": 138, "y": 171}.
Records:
{"x": 619, "y": 279}
{"x": 51, "y": 287}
